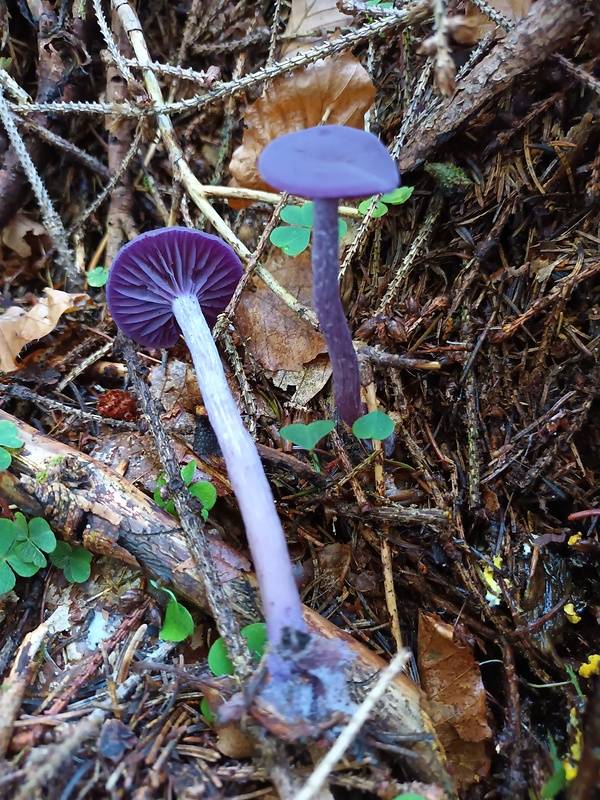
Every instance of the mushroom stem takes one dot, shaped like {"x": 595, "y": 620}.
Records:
{"x": 278, "y": 590}
{"x": 327, "y": 303}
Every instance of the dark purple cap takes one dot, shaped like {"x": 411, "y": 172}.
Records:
{"x": 156, "y": 267}
{"x": 327, "y": 162}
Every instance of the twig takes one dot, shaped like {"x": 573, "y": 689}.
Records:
{"x": 419, "y": 242}
{"x": 52, "y": 221}
{"x": 317, "y": 780}
{"x": 412, "y": 14}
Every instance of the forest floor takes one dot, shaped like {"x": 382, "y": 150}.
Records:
{"x": 470, "y": 537}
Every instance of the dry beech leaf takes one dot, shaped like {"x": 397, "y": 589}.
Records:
{"x": 513, "y": 10}
{"x": 451, "y": 677}
{"x": 277, "y": 338}
{"x": 19, "y": 327}
{"x": 16, "y": 234}
{"x": 337, "y": 87}
{"x": 318, "y": 17}
{"x": 308, "y": 382}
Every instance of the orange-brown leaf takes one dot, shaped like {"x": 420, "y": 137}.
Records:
{"x": 337, "y": 88}
{"x": 451, "y": 678}
{"x": 277, "y": 338}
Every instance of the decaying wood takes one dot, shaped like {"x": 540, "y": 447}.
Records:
{"x": 528, "y": 44}
{"x": 87, "y": 502}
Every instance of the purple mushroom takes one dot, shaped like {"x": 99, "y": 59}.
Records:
{"x": 176, "y": 281}
{"x": 325, "y": 164}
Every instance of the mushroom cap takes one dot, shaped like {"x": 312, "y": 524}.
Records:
{"x": 156, "y": 267}
{"x": 328, "y": 162}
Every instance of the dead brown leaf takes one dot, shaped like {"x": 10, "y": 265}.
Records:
{"x": 316, "y": 17}
{"x": 20, "y": 231}
{"x": 19, "y": 327}
{"x": 513, "y": 10}
{"x": 451, "y": 678}
{"x": 338, "y": 89}
{"x": 277, "y": 338}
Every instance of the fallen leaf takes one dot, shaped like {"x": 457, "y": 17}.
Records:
{"x": 276, "y": 337}
{"x": 451, "y": 678}
{"x": 316, "y": 17}
{"x": 338, "y": 89}
{"x": 16, "y": 234}
{"x": 513, "y": 10}
{"x": 19, "y": 327}
{"x": 308, "y": 382}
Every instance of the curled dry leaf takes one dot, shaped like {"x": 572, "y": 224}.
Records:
{"x": 312, "y": 20}
{"x": 19, "y": 327}
{"x": 20, "y": 232}
{"x": 277, "y": 338}
{"x": 481, "y": 24}
{"x": 337, "y": 88}
{"x": 451, "y": 678}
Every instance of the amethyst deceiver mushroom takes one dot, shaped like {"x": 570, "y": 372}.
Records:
{"x": 325, "y": 164}
{"x": 178, "y": 280}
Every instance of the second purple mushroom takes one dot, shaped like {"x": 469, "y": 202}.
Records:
{"x": 325, "y": 164}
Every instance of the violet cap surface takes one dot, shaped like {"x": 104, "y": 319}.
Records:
{"x": 156, "y": 267}
{"x": 330, "y": 161}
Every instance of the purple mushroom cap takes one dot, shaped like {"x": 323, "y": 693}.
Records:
{"x": 161, "y": 265}
{"x": 329, "y": 161}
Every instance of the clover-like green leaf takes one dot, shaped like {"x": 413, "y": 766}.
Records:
{"x": 206, "y": 493}
{"x": 8, "y": 535}
{"x": 28, "y": 553}
{"x": 178, "y": 623}
{"x": 23, "y": 568}
{"x": 379, "y": 211}
{"x": 9, "y": 434}
{"x": 375, "y": 425}
{"x": 307, "y": 436}
{"x": 219, "y": 662}
{"x": 75, "y": 562}
{"x": 398, "y": 196}
{"x": 290, "y": 239}
{"x": 187, "y": 472}
{"x": 303, "y": 216}
{"x": 41, "y": 535}
{"x": 97, "y": 277}
{"x": 7, "y": 578}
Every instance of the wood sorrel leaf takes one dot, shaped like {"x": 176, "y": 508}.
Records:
{"x": 291, "y": 240}
{"x": 307, "y": 436}
{"x": 375, "y": 425}
{"x": 299, "y": 215}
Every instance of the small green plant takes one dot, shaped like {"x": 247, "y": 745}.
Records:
{"x": 395, "y": 198}
{"x": 407, "y": 795}
{"x": 202, "y": 490}
{"x": 178, "y": 623}
{"x": 21, "y": 547}
{"x": 9, "y": 440}
{"x": 379, "y": 4}
{"x": 307, "y": 436}
{"x": 219, "y": 662}
{"x": 75, "y": 562}
{"x": 376, "y": 425}
{"x": 97, "y": 277}
{"x": 557, "y": 781}
{"x": 294, "y": 237}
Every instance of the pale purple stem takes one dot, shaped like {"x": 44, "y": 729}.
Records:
{"x": 328, "y": 306}
{"x": 278, "y": 590}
